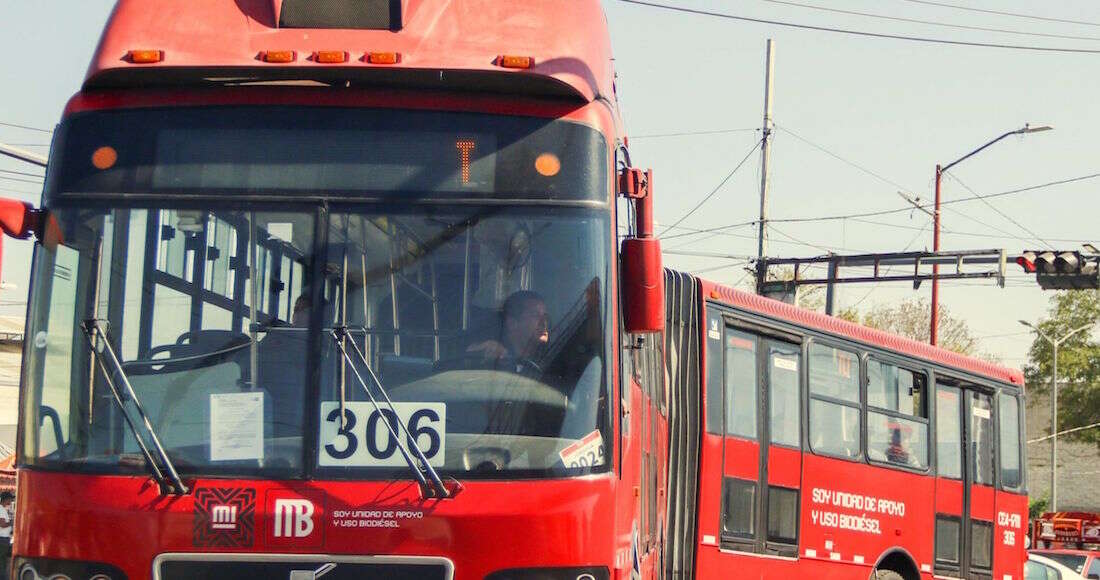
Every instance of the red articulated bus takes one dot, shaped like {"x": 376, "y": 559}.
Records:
{"x": 338, "y": 290}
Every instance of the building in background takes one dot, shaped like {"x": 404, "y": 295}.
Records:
{"x": 1078, "y": 463}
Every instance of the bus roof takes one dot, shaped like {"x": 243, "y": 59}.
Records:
{"x": 443, "y": 44}
{"x": 838, "y": 327}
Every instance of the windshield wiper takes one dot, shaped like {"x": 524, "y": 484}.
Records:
{"x": 163, "y": 471}
{"x": 437, "y": 488}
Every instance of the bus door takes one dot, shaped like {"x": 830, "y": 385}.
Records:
{"x": 964, "y": 481}
{"x": 762, "y": 458}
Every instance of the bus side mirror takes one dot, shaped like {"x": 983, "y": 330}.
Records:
{"x": 643, "y": 285}
{"x": 18, "y": 219}
{"x": 643, "y": 277}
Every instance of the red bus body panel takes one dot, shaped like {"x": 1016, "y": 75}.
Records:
{"x": 571, "y": 47}
{"x": 488, "y": 526}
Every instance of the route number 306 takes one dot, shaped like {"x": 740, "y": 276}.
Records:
{"x": 365, "y": 441}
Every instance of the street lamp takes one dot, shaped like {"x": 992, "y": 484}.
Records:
{"x": 1054, "y": 407}
{"x": 940, "y": 170}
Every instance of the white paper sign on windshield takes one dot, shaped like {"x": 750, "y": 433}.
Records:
{"x": 236, "y": 426}
{"x": 365, "y": 441}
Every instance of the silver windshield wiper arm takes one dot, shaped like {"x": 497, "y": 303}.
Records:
{"x": 101, "y": 344}
{"x": 338, "y": 335}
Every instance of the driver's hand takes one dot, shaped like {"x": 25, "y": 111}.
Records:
{"x": 490, "y": 349}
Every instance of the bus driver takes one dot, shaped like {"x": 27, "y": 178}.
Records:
{"x": 524, "y": 334}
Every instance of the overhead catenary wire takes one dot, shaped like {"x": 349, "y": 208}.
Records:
{"x": 929, "y": 22}
{"x": 11, "y": 172}
{"x": 21, "y": 180}
{"x": 863, "y": 33}
{"x": 1003, "y": 13}
{"x": 998, "y": 211}
{"x": 713, "y": 191}
{"x": 28, "y": 128}
{"x": 692, "y": 133}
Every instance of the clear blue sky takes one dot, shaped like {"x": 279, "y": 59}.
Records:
{"x": 894, "y": 107}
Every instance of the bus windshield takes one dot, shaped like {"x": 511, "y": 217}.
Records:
{"x": 258, "y": 333}
{"x": 487, "y": 327}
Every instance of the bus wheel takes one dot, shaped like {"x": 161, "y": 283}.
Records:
{"x": 887, "y": 575}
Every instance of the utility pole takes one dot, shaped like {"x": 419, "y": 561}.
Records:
{"x": 935, "y": 323}
{"x": 765, "y": 144}
{"x": 27, "y": 156}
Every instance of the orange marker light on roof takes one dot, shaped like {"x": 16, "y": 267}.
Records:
{"x": 278, "y": 56}
{"x": 512, "y": 61}
{"x": 330, "y": 56}
{"x": 145, "y": 56}
{"x": 382, "y": 57}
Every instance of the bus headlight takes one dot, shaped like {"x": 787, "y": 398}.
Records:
{"x": 585, "y": 573}
{"x": 51, "y": 569}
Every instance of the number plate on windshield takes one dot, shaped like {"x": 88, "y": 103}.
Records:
{"x": 366, "y": 441}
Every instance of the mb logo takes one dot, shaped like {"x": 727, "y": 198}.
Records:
{"x": 293, "y": 518}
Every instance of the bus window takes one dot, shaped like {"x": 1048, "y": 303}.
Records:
{"x": 741, "y": 384}
{"x": 897, "y": 422}
{"x": 783, "y": 393}
{"x": 1009, "y": 421}
{"x": 981, "y": 460}
{"x": 948, "y": 433}
{"x": 714, "y": 373}
{"x": 834, "y": 401}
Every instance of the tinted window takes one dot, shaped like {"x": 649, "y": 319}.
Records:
{"x": 741, "y": 384}
{"x": 834, "y": 373}
{"x": 1071, "y": 561}
{"x": 1037, "y": 571}
{"x": 1009, "y": 415}
{"x": 947, "y": 539}
{"x": 895, "y": 389}
{"x": 981, "y": 544}
{"x": 948, "y": 433}
{"x": 892, "y": 439}
{"x": 782, "y": 515}
{"x": 981, "y": 438}
{"x": 739, "y": 507}
{"x": 834, "y": 401}
{"x": 834, "y": 429}
{"x": 714, "y": 374}
{"x": 783, "y": 389}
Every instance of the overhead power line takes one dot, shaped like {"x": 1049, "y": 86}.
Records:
{"x": 25, "y": 127}
{"x": 863, "y": 33}
{"x": 943, "y": 203}
{"x": 713, "y": 191}
{"x": 692, "y": 133}
{"x": 840, "y": 158}
{"x": 21, "y": 180}
{"x": 897, "y": 210}
{"x": 11, "y": 172}
{"x": 929, "y": 22}
{"x": 1003, "y": 13}
{"x": 999, "y": 212}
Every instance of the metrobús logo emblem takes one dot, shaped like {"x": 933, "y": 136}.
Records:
{"x": 224, "y": 517}
{"x": 294, "y": 520}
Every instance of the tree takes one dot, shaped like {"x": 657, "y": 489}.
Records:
{"x": 912, "y": 319}
{"x": 1078, "y": 362}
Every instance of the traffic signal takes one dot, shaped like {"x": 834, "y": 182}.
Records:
{"x": 1061, "y": 270}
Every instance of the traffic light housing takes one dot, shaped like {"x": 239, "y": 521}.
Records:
{"x": 1057, "y": 270}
